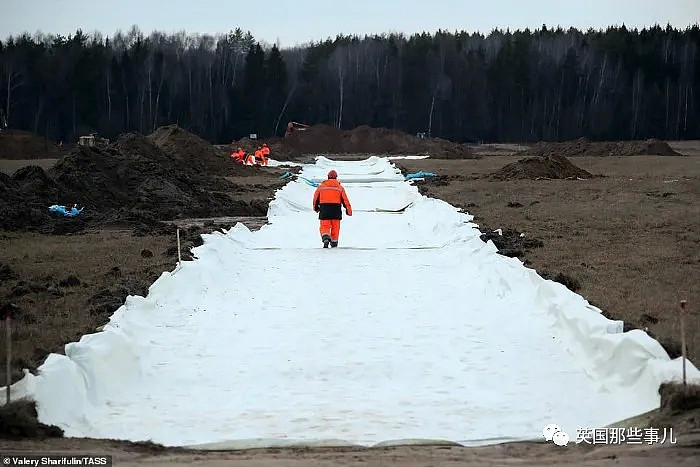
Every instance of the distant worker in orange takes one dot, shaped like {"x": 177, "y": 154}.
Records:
{"x": 265, "y": 153}
{"x": 329, "y": 198}
{"x": 258, "y": 156}
{"x": 250, "y": 160}
{"x": 239, "y": 156}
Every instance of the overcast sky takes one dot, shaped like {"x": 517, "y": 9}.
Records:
{"x": 298, "y": 21}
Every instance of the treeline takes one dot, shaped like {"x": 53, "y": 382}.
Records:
{"x": 547, "y": 84}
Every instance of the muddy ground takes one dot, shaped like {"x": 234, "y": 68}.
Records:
{"x": 628, "y": 241}
{"x": 685, "y": 453}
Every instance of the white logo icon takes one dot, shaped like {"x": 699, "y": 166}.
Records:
{"x": 549, "y": 431}
{"x": 560, "y": 438}
{"x": 553, "y": 432}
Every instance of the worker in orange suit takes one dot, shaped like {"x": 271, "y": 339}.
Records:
{"x": 239, "y": 156}
{"x": 329, "y": 198}
{"x": 265, "y": 153}
{"x": 258, "y": 156}
{"x": 250, "y": 159}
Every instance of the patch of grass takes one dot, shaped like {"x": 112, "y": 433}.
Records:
{"x": 18, "y": 420}
{"x": 674, "y": 397}
{"x": 68, "y": 286}
{"x": 564, "y": 279}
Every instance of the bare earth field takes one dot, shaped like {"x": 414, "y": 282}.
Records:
{"x": 67, "y": 286}
{"x": 630, "y": 239}
{"x": 684, "y": 453}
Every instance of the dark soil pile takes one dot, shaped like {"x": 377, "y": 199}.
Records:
{"x": 6, "y": 184}
{"x": 536, "y": 168}
{"x": 317, "y": 139}
{"x": 194, "y": 153}
{"x": 324, "y": 139}
{"x": 583, "y": 147}
{"x": 18, "y": 144}
{"x": 132, "y": 182}
{"x": 365, "y": 139}
{"x": 25, "y": 199}
{"x": 510, "y": 242}
{"x": 18, "y": 420}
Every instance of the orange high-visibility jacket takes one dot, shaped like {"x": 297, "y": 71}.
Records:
{"x": 266, "y": 151}
{"x": 329, "y": 197}
{"x": 258, "y": 156}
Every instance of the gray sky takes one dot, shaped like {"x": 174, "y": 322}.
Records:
{"x": 297, "y": 21}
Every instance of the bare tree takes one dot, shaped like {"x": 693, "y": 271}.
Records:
{"x": 338, "y": 63}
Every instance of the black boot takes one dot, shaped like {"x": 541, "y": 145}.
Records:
{"x": 334, "y": 244}
{"x": 326, "y": 240}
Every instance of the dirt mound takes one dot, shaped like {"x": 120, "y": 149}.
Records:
{"x": 26, "y": 200}
{"x": 108, "y": 177}
{"x": 183, "y": 145}
{"x": 535, "y": 168}
{"x": 136, "y": 174}
{"x": 365, "y": 139}
{"x": 17, "y": 144}
{"x": 324, "y": 139}
{"x": 141, "y": 146}
{"x": 195, "y": 153}
{"x": 317, "y": 139}
{"x": 658, "y": 148}
{"x": 32, "y": 180}
{"x": 6, "y": 183}
{"x": 583, "y": 147}
{"x": 131, "y": 182}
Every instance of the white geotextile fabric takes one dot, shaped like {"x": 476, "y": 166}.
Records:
{"x": 413, "y": 329}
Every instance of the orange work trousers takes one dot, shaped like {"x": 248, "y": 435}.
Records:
{"x": 330, "y": 227}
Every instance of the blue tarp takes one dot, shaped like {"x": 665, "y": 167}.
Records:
{"x": 420, "y": 174}
{"x": 289, "y": 174}
{"x": 72, "y": 212}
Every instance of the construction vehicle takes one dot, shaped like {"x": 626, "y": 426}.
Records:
{"x": 92, "y": 140}
{"x": 292, "y": 127}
